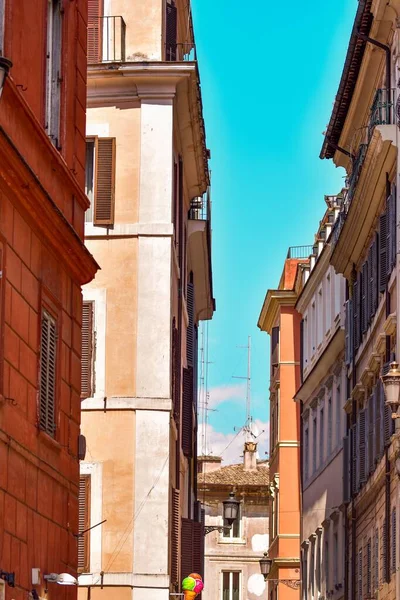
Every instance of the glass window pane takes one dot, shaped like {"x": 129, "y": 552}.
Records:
{"x": 225, "y": 586}
{"x": 235, "y": 586}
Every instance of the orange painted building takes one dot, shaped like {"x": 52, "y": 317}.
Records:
{"x": 43, "y": 263}
{"x": 281, "y": 321}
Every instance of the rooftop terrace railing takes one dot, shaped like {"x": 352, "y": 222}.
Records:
{"x": 299, "y": 252}
{"x": 106, "y": 40}
{"x": 180, "y": 52}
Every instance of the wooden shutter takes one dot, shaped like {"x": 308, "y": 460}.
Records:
{"x": 187, "y": 412}
{"x": 346, "y": 470}
{"x": 393, "y": 542}
{"x": 190, "y": 339}
{"x": 371, "y": 433}
{"x": 390, "y": 233}
{"x": 354, "y": 454}
{"x": 369, "y": 566}
{"x": 176, "y": 368}
{"x": 175, "y": 521}
{"x": 95, "y": 12}
{"x": 393, "y": 226}
{"x": 383, "y": 268}
{"x": 385, "y": 549}
{"x": 301, "y": 350}
{"x": 364, "y": 298}
{"x": 356, "y": 313}
{"x": 47, "y": 388}
{"x": 376, "y": 560}
{"x": 186, "y": 547}
{"x": 171, "y": 31}
{"x": 360, "y": 574}
{"x": 84, "y": 523}
{"x": 104, "y": 197}
{"x": 54, "y": 53}
{"x": 374, "y": 277}
{"x": 362, "y": 447}
{"x": 349, "y": 332}
{"x": 198, "y": 549}
{"x": 87, "y": 350}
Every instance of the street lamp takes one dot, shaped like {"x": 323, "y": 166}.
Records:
{"x": 61, "y": 579}
{"x": 265, "y": 565}
{"x": 391, "y": 386}
{"x": 5, "y": 66}
{"x": 230, "y": 513}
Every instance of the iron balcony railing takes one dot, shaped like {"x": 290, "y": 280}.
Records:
{"x": 200, "y": 208}
{"x": 382, "y": 113}
{"x": 112, "y": 45}
{"x": 299, "y": 252}
{"x": 180, "y": 52}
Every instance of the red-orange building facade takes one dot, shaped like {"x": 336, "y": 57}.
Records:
{"x": 43, "y": 263}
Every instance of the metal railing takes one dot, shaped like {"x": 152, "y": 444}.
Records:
{"x": 112, "y": 46}
{"x": 383, "y": 109}
{"x": 200, "y": 208}
{"x": 299, "y": 251}
{"x": 180, "y": 52}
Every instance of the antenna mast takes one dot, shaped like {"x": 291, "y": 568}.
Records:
{"x": 248, "y": 392}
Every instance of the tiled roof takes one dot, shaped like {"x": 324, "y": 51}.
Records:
{"x": 236, "y": 475}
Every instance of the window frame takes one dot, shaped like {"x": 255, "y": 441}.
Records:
{"x": 54, "y": 71}
{"x": 95, "y": 471}
{"x": 2, "y": 23}
{"x": 230, "y": 589}
{"x": 94, "y": 221}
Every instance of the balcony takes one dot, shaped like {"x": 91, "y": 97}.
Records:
{"x": 299, "y": 252}
{"x": 200, "y": 208}
{"x": 178, "y": 52}
{"x": 106, "y": 40}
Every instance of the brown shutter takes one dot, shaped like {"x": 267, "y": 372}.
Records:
{"x": 383, "y": 262}
{"x": 186, "y": 548}
{"x": 47, "y": 387}
{"x": 171, "y": 31}
{"x": 175, "y": 537}
{"x": 87, "y": 350}
{"x": 176, "y": 366}
{"x": 187, "y": 412}
{"x": 95, "y": 11}
{"x": 84, "y": 523}
{"x": 364, "y": 297}
{"x": 190, "y": 339}
{"x": 356, "y": 313}
{"x": 105, "y": 182}
{"x": 198, "y": 549}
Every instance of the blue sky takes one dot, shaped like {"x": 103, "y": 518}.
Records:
{"x": 269, "y": 75}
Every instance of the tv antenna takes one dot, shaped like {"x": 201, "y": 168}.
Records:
{"x": 249, "y": 419}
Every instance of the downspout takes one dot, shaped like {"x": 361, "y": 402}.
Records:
{"x": 180, "y": 318}
{"x": 387, "y": 50}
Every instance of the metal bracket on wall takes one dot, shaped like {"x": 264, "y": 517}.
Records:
{"x": 220, "y": 528}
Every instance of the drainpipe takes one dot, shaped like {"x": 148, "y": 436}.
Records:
{"x": 180, "y": 316}
{"x": 387, "y": 50}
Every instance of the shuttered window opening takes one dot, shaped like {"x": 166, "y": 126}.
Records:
{"x": 190, "y": 339}
{"x": 87, "y": 372}
{"x": 104, "y": 198}
{"x": 371, "y": 433}
{"x": 394, "y": 541}
{"x": 175, "y": 521}
{"x": 391, "y": 231}
{"x": 349, "y": 332}
{"x": 354, "y": 455}
{"x": 187, "y": 412}
{"x": 48, "y": 371}
{"x": 364, "y": 297}
{"x": 360, "y": 575}
{"x": 369, "y": 567}
{"x": 356, "y": 313}
{"x": 376, "y": 560}
{"x": 95, "y": 11}
{"x": 2, "y": 27}
{"x": 192, "y": 547}
{"x": 53, "y": 70}
{"x": 346, "y": 470}
{"x": 385, "y": 558}
{"x": 383, "y": 263}
{"x": 362, "y": 470}
{"x": 374, "y": 277}
{"x": 176, "y": 368}
{"x": 84, "y": 524}
{"x": 171, "y": 28}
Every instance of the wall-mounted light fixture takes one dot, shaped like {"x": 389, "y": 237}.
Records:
{"x": 391, "y": 386}
{"x": 231, "y": 510}
{"x": 61, "y": 579}
{"x": 265, "y": 565}
{"x": 5, "y": 66}
{"x": 8, "y": 578}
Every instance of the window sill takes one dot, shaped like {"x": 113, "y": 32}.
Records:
{"x": 49, "y": 441}
{"x": 235, "y": 541}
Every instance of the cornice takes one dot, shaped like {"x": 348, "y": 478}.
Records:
{"x": 273, "y": 301}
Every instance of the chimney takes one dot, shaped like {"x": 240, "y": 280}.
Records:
{"x": 250, "y": 456}
{"x": 207, "y": 464}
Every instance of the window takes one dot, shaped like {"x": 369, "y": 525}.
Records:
{"x": 393, "y": 540}
{"x": 328, "y": 316}
{"x": 338, "y": 416}
{"x": 329, "y": 446}
{"x": 376, "y": 560}
{"x": 53, "y": 70}
{"x": 87, "y": 371}
{"x": 1, "y": 27}
{"x": 84, "y": 524}
{"x": 234, "y": 531}
{"x": 360, "y": 576}
{"x": 100, "y": 180}
{"x": 231, "y": 585}
{"x": 312, "y": 569}
{"x": 321, "y": 435}
{"x": 314, "y": 444}
{"x": 320, "y": 315}
{"x": 48, "y": 362}
{"x": 327, "y": 579}
{"x": 369, "y": 567}
{"x": 335, "y": 558}
{"x": 306, "y": 452}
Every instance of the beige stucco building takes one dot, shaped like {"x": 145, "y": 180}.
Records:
{"x": 322, "y": 395}
{"x": 363, "y": 137}
{"x": 232, "y": 569}
{"x": 149, "y": 229}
